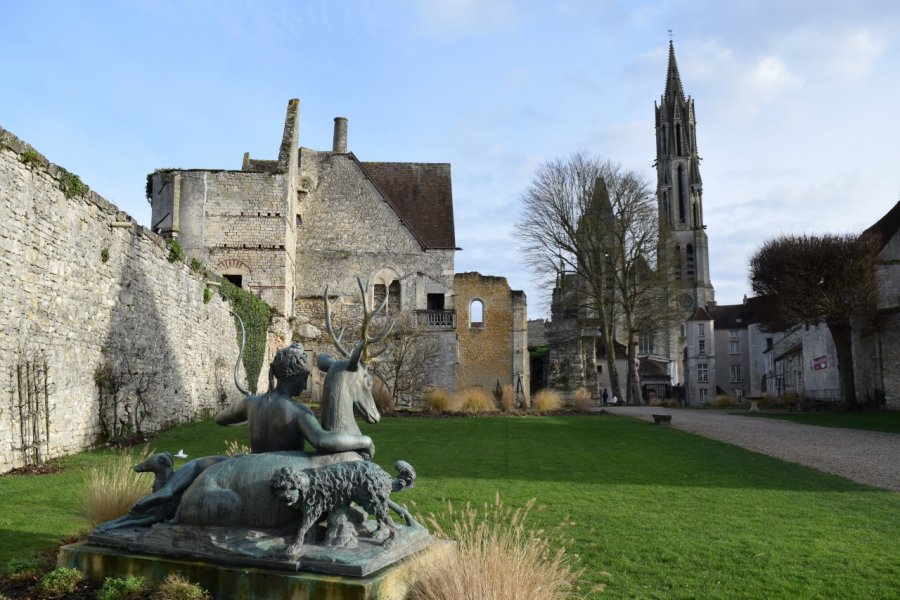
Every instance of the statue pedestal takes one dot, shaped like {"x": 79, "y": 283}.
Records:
{"x": 232, "y": 582}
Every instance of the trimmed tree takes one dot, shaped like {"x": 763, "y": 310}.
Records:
{"x": 820, "y": 277}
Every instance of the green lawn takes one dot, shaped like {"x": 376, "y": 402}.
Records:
{"x": 651, "y": 511}
{"x": 871, "y": 420}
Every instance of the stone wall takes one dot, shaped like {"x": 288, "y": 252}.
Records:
{"x": 83, "y": 287}
{"x": 348, "y": 230}
{"x": 487, "y": 353}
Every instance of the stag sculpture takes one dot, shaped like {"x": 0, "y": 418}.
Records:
{"x": 348, "y": 383}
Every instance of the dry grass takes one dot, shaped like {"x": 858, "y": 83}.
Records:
{"x": 495, "y": 557}
{"x": 508, "y": 399}
{"x": 723, "y": 400}
{"x": 547, "y": 400}
{"x": 233, "y": 447}
{"x": 441, "y": 400}
{"x": 476, "y": 400}
{"x": 113, "y": 487}
{"x": 582, "y": 400}
{"x": 668, "y": 403}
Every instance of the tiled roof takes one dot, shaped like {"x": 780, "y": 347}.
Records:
{"x": 886, "y": 227}
{"x": 422, "y": 195}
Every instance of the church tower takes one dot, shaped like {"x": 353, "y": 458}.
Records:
{"x": 684, "y": 246}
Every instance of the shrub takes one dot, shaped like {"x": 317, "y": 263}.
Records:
{"x": 669, "y": 403}
{"x": 384, "y": 401}
{"x": 112, "y": 488}
{"x": 176, "y": 587}
{"x": 30, "y": 157}
{"x": 582, "y": 399}
{"x": 207, "y": 295}
{"x": 508, "y": 398}
{"x": 23, "y": 571}
{"x": 71, "y": 185}
{"x": 59, "y": 582}
{"x": 788, "y": 399}
{"x": 176, "y": 252}
{"x": 476, "y": 400}
{"x": 130, "y": 588}
{"x": 441, "y": 400}
{"x": 104, "y": 255}
{"x": 546, "y": 400}
{"x": 494, "y": 556}
{"x": 196, "y": 265}
{"x": 723, "y": 400}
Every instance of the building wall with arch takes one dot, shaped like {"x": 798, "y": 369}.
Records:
{"x": 495, "y": 349}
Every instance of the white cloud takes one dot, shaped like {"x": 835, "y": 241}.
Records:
{"x": 770, "y": 78}
{"x": 461, "y": 17}
{"x": 856, "y": 53}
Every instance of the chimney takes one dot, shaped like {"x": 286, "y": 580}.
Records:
{"x": 340, "y": 135}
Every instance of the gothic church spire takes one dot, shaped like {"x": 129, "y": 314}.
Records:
{"x": 673, "y": 79}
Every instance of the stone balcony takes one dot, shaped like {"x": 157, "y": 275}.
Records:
{"x": 436, "y": 319}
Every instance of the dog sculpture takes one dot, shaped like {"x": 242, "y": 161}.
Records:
{"x": 332, "y": 488}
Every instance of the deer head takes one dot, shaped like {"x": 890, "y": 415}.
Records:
{"x": 348, "y": 381}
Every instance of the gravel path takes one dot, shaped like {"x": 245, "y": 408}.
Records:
{"x": 869, "y": 457}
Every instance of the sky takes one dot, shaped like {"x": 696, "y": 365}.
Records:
{"x": 797, "y": 101}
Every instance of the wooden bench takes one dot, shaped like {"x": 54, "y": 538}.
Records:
{"x": 662, "y": 419}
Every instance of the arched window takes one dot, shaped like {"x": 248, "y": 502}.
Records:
{"x": 476, "y": 314}
{"x": 387, "y": 283}
{"x": 679, "y": 190}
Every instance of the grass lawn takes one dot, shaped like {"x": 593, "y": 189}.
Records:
{"x": 650, "y": 511}
{"x": 871, "y": 420}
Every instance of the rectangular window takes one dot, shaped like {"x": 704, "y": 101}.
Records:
{"x": 702, "y": 373}
{"x": 734, "y": 346}
{"x": 734, "y": 333}
{"x": 701, "y": 329}
{"x": 646, "y": 343}
{"x": 736, "y": 374}
{"x": 702, "y": 344}
{"x": 704, "y": 395}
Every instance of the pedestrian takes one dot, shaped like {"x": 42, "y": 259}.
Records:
{"x": 605, "y": 397}
{"x": 614, "y": 400}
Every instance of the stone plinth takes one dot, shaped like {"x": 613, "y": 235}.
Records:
{"x": 232, "y": 582}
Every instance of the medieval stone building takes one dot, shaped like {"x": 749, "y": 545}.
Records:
{"x": 287, "y": 228}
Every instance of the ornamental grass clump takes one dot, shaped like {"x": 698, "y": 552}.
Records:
{"x": 129, "y": 588}
{"x": 60, "y": 582}
{"x": 476, "y": 400}
{"x": 440, "y": 400}
{"x": 582, "y": 400}
{"x": 547, "y": 400}
{"x": 112, "y": 487}
{"x": 493, "y": 556}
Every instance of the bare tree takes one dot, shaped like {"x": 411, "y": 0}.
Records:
{"x": 592, "y": 217}
{"x": 406, "y": 363}
{"x": 826, "y": 277}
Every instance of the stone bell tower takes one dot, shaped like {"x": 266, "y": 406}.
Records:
{"x": 684, "y": 246}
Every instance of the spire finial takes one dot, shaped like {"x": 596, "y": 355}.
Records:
{"x": 670, "y": 36}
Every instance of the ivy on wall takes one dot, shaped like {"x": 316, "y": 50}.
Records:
{"x": 257, "y": 315}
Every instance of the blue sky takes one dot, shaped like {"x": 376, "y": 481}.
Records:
{"x": 796, "y": 100}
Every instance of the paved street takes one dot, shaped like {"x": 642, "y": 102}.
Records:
{"x": 869, "y": 457}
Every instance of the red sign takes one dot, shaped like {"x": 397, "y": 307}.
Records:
{"x": 820, "y": 362}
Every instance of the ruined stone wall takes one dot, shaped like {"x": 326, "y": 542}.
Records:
{"x": 348, "y": 230}
{"x": 83, "y": 287}
{"x": 237, "y": 222}
{"x": 485, "y": 349}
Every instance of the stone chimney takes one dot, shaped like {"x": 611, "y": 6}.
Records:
{"x": 340, "y": 135}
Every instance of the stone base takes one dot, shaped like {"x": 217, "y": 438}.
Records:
{"x": 231, "y": 582}
{"x": 243, "y": 547}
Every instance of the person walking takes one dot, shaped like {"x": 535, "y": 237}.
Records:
{"x": 605, "y": 397}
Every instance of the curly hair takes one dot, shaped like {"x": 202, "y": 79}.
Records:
{"x": 289, "y": 362}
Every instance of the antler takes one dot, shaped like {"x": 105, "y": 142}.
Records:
{"x": 335, "y": 338}
{"x": 363, "y": 346}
